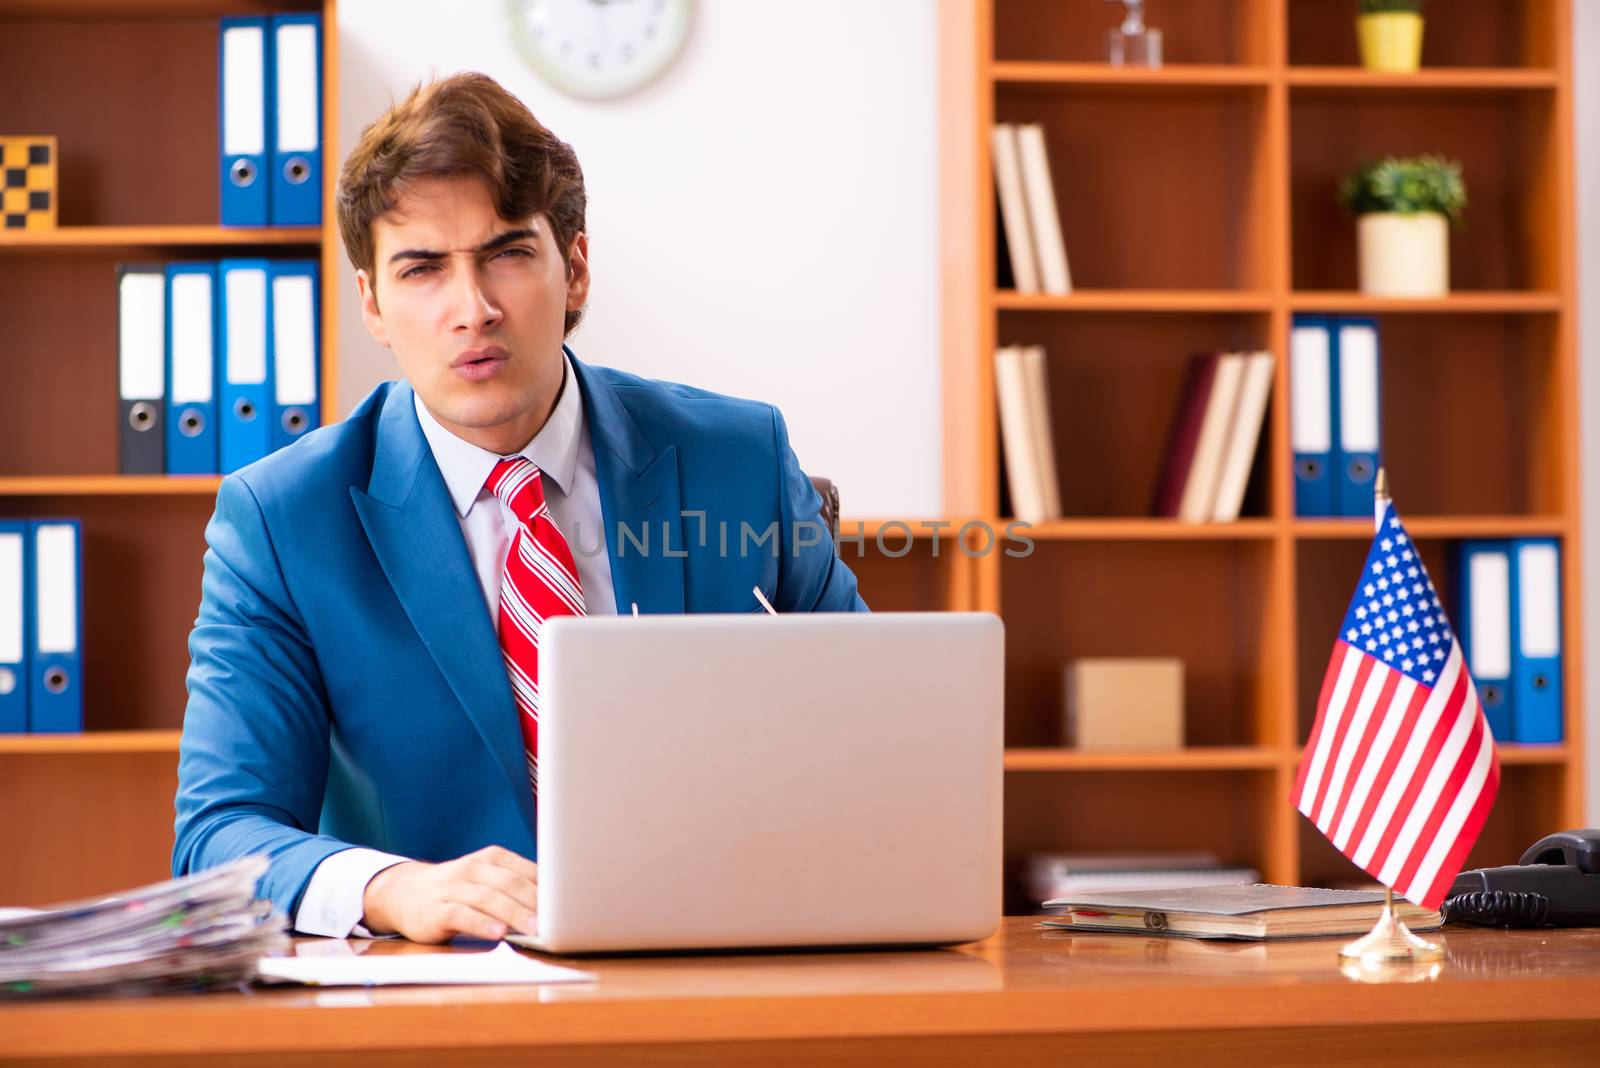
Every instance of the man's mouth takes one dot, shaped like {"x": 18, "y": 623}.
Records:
{"x": 479, "y": 365}
{"x": 481, "y": 357}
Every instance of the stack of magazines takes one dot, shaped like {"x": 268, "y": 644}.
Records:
{"x": 201, "y": 932}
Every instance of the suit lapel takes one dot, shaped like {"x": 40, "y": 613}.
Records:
{"x": 412, "y": 525}
{"x": 638, "y": 497}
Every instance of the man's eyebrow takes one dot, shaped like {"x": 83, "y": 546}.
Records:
{"x": 498, "y": 241}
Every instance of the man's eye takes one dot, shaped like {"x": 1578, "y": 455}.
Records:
{"x": 412, "y": 272}
{"x": 517, "y": 252}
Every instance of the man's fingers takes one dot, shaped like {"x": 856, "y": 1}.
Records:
{"x": 464, "y": 919}
{"x": 496, "y": 905}
{"x": 522, "y": 890}
{"x": 501, "y": 857}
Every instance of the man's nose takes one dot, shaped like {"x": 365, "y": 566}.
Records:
{"x": 473, "y": 309}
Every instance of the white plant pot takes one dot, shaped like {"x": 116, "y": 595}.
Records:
{"x": 1404, "y": 255}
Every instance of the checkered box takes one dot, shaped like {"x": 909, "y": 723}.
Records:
{"x": 28, "y": 183}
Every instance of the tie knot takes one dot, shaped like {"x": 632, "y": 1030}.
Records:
{"x": 516, "y": 482}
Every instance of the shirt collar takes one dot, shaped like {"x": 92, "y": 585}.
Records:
{"x": 554, "y": 449}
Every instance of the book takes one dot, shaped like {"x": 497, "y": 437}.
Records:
{"x": 1037, "y": 381}
{"x": 1254, "y": 912}
{"x": 1016, "y": 229}
{"x": 1200, "y": 489}
{"x": 1043, "y": 876}
{"x": 1239, "y": 455}
{"x": 1185, "y": 434}
{"x": 1040, "y": 189}
{"x": 1022, "y": 461}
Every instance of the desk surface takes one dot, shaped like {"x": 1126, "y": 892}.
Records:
{"x": 1027, "y": 992}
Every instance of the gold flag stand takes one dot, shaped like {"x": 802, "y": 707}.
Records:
{"x": 1390, "y": 942}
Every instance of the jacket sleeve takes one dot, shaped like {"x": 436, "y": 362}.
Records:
{"x": 811, "y": 576}
{"x": 253, "y": 763}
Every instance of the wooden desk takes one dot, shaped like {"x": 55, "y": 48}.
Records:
{"x": 1026, "y": 997}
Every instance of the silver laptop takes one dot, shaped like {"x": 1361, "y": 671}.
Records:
{"x": 747, "y": 781}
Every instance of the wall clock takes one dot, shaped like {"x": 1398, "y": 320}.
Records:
{"x": 599, "y": 49}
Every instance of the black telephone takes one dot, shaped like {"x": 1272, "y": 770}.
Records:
{"x": 1557, "y": 884}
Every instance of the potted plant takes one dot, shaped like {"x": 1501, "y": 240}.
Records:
{"x": 1390, "y": 33}
{"x": 1402, "y": 206}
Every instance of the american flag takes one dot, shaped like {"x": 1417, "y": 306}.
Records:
{"x": 1400, "y": 771}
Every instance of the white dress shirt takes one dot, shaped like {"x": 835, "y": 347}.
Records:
{"x": 562, "y": 450}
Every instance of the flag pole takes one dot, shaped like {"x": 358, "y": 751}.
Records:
{"x": 1389, "y": 941}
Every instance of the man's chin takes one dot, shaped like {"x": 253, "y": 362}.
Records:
{"x": 477, "y": 404}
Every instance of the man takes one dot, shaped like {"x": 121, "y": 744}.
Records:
{"x": 363, "y": 693}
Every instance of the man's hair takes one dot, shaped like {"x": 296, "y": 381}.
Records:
{"x": 464, "y": 125}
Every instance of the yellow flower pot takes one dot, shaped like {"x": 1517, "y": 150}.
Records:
{"x": 1391, "y": 41}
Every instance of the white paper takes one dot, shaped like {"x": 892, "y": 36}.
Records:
{"x": 1310, "y": 420}
{"x": 1490, "y": 655}
{"x": 55, "y": 557}
{"x": 1358, "y": 389}
{"x": 246, "y": 289}
{"x": 502, "y": 964}
{"x": 142, "y": 330}
{"x": 244, "y": 91}
{"x": 192, "y": 336}
{"x": 11, "y": 575}
{"x": 1541, "y": 604}
{"x": 294, "y": 334}
{"x": 297, "y": 88}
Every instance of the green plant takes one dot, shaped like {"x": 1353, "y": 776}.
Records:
{"x": 1414, "y": 184}
{"x": 1381, "y": 7}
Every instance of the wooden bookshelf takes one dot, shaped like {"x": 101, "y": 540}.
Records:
{"x": 1188, "y": 75}
{"x": 138, "y": 146}
{"x": 121, "y": 239}
{"x": 90, "y": 742}
{"x": 111, "y": 486}
{"x": 1136, "y": 300}
{"x": 1199, "y": 212}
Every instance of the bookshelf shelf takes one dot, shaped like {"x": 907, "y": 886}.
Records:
{"x": 1199, "y": 213}
{"x": 1460, "y": 79}
{"x": 1441, "y": 526}
{"x": 109, "y": 486}
{"x": 1219, "y": 758}
{"x": 1533, "y": 755}
{"x": 126, "y": 239}
{"x": 1181, "y": 76}
{"x": 153, "y": 741}
{"x": 144, "y": 9}
{"x": 1136, "y": 300}
{"x": 1460, "y": 302}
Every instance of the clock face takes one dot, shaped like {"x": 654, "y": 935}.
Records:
{"x": 599, "y": 48}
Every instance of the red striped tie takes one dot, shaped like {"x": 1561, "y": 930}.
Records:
{"x": 540, "y": 580}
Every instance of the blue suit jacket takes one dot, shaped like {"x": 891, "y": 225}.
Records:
{"x": 346, "y": 685}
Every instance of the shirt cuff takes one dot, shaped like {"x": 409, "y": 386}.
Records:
{"x": 331, "y": 905}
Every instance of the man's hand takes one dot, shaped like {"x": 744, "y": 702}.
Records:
{"x": 482, "y": 895}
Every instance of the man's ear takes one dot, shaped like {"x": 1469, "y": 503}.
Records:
{"x": 578, "y": 272}
{"x": 369, "y": 309}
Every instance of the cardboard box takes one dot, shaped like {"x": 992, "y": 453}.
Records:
{"x": 1124, "y": 703}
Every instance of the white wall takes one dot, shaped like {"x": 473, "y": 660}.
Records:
{"x": 1585, "y": 45}
{"x": 762, "y": 219}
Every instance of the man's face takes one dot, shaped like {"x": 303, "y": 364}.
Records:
{"x": 473, "y": 307}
